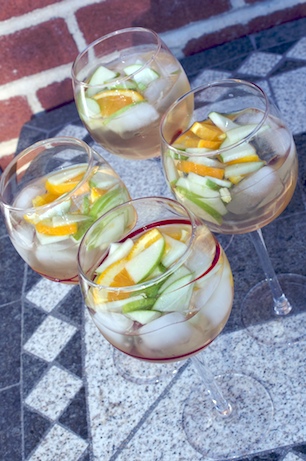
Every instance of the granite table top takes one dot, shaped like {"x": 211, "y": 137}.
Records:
{"x": 62, "y": 397}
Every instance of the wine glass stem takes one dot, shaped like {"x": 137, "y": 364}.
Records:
{"x": 281, "y": 304}
{"x": 223, "y": 407}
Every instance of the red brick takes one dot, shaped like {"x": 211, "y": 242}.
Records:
{"x": 102, "y": 18}
{"x": 14, "y": 113}
{"x": 240, "y": 30}
{"x": 35, "y": 49}
{"x": 55, "y": 94}
{"x": 13, "y": 8}
{"x": 4, "y": 161}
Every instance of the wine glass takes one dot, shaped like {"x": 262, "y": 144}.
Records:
{"x": 123, "y": 83}
{"x": 50, "y": 194}
{"x": 229, "y": 157}
{"x": 159, "y": 288}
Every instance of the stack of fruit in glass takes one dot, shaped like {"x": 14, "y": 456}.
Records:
{"x": 123, "y": 83}
{"x": 230, "y": 158}
{"x": 159, "y": 288}
{"x": 50, "y": 195}
{"x": 157, "y": 285}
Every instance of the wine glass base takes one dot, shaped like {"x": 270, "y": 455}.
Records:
{"x": 223, "y": 437}
{"x": 260, "y": 319}
{"x": 141, "y": 372}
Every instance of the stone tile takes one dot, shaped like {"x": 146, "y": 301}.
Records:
{"x": 208, "y": 76}
{"x": 10, "y": 424}
{"x": 35, "y": 428}
{"x": 298, "y": 51}
{"x": 54, "y": 392}
{"x": 59, "y": 444}
{"x": 259, "y": 64}
{"x": 70, "y": 357}
{"x": 32, "y": 370}
{"x": 50, "y": 338}
{"x": 72, "y": 307}
{"x": 75, "y": 416}
{"x": 291, "y": 457}
{"x": 10, "y": 343}
{"x": 46, "y": 294}
{"x": 289, "y": 91}
{"x": 12, "y": 272}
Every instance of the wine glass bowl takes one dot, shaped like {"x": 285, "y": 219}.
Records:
{"x": 123, "y": 83}
{"x": 228, "y": 155}
{"x": 50, "y": 194}
{"x": 177, "y": 302}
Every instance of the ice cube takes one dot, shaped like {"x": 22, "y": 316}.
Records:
{"x": 24, "y": 199}
{"x": 168, "y": 331}
{"x": 260, "y": 188}
{"x": 273, "y": 143}
{"x": 52, "y": 259}
{"x": 217, "y": 308}
{"x": 133, "y": 118}
{"x": 119, "y": 340}
{"x": 156, "y": 91}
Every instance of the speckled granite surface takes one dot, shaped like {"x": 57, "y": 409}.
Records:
{"x": 62, "y": 399}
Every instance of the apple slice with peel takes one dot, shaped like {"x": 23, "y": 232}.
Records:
{"x": 178, "y": 274}
{"x": 122, "y": 250}
{"x": 142, "y": 264}
{"x": 131, "y": 118}
{"x": 199, "y": 206}
{"x": 143, "y": 316}
{"x": 241, "y": 169}
{"x": 224, "y": 123}
{"x": 173, "y": 251}
{"x": 143, "y": 77}
{"x": 100, "y": 76}
{"x": 176, "y": 296}
{"x": 137, "y": 304}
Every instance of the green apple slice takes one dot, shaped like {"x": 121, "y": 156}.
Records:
{"x": 199, "y": 206}
{"x": 176, "y": 296}
{"x": 223, "y": 123}
{"x": 107, "y": 201}
{"x": 174, "y": 250}
{"x": 242, "y": 169}
{"x": 103, "y": 180}
{"x": 131, "y": 118}
{"x": 141, "y": 265}
{"x": 238, "y": 152}
{"x": 142, "y": 77}
{"x": 100, "y": 76}
{"x": 178, "y": 274}
{"x": 120, "y": 252}
{"x": 144, "y": 316}
{"x": 134, "y": 305}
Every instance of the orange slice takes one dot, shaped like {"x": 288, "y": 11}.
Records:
{"x": 66, "y": 186}
{"x": 41, "y": 200}
{"x": 247, "y": 158}
{"x": 110, "y": 101}
{"x": 207, "y": 131}
{"x": 208, "y": 144}
{"x": 187, "y": 166}
{"x": 187, "y": 139}
{"x": 46, "y": 228}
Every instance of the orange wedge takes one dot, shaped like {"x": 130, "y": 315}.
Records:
{"x": 47, "y": 229}
{"x": 41, "y": 200}
{"x": 247, "y": 158}
{"x": 187, "y": 139}
{"x": 207, "y": 131}
{"x": 208, "y": 144}
{"x": 110, "y": 101}
{"x": 66, "y": 186}
{"x": 187, "y": 166}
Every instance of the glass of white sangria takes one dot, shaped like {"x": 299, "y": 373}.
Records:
{"x": 159, "y": 288}
{"x": 231, "y": 159}
{"x": 50, "y": 195}
{"x": 123, "y": 83}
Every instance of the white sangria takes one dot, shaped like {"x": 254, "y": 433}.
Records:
{"x": 48, "y": 210}
{"x": 236, "y": 170}
{"x": 156, "y": 282}
{"x": 123, "y": 83}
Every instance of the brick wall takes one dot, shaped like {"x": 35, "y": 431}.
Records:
{"x": 39, "y": 40}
